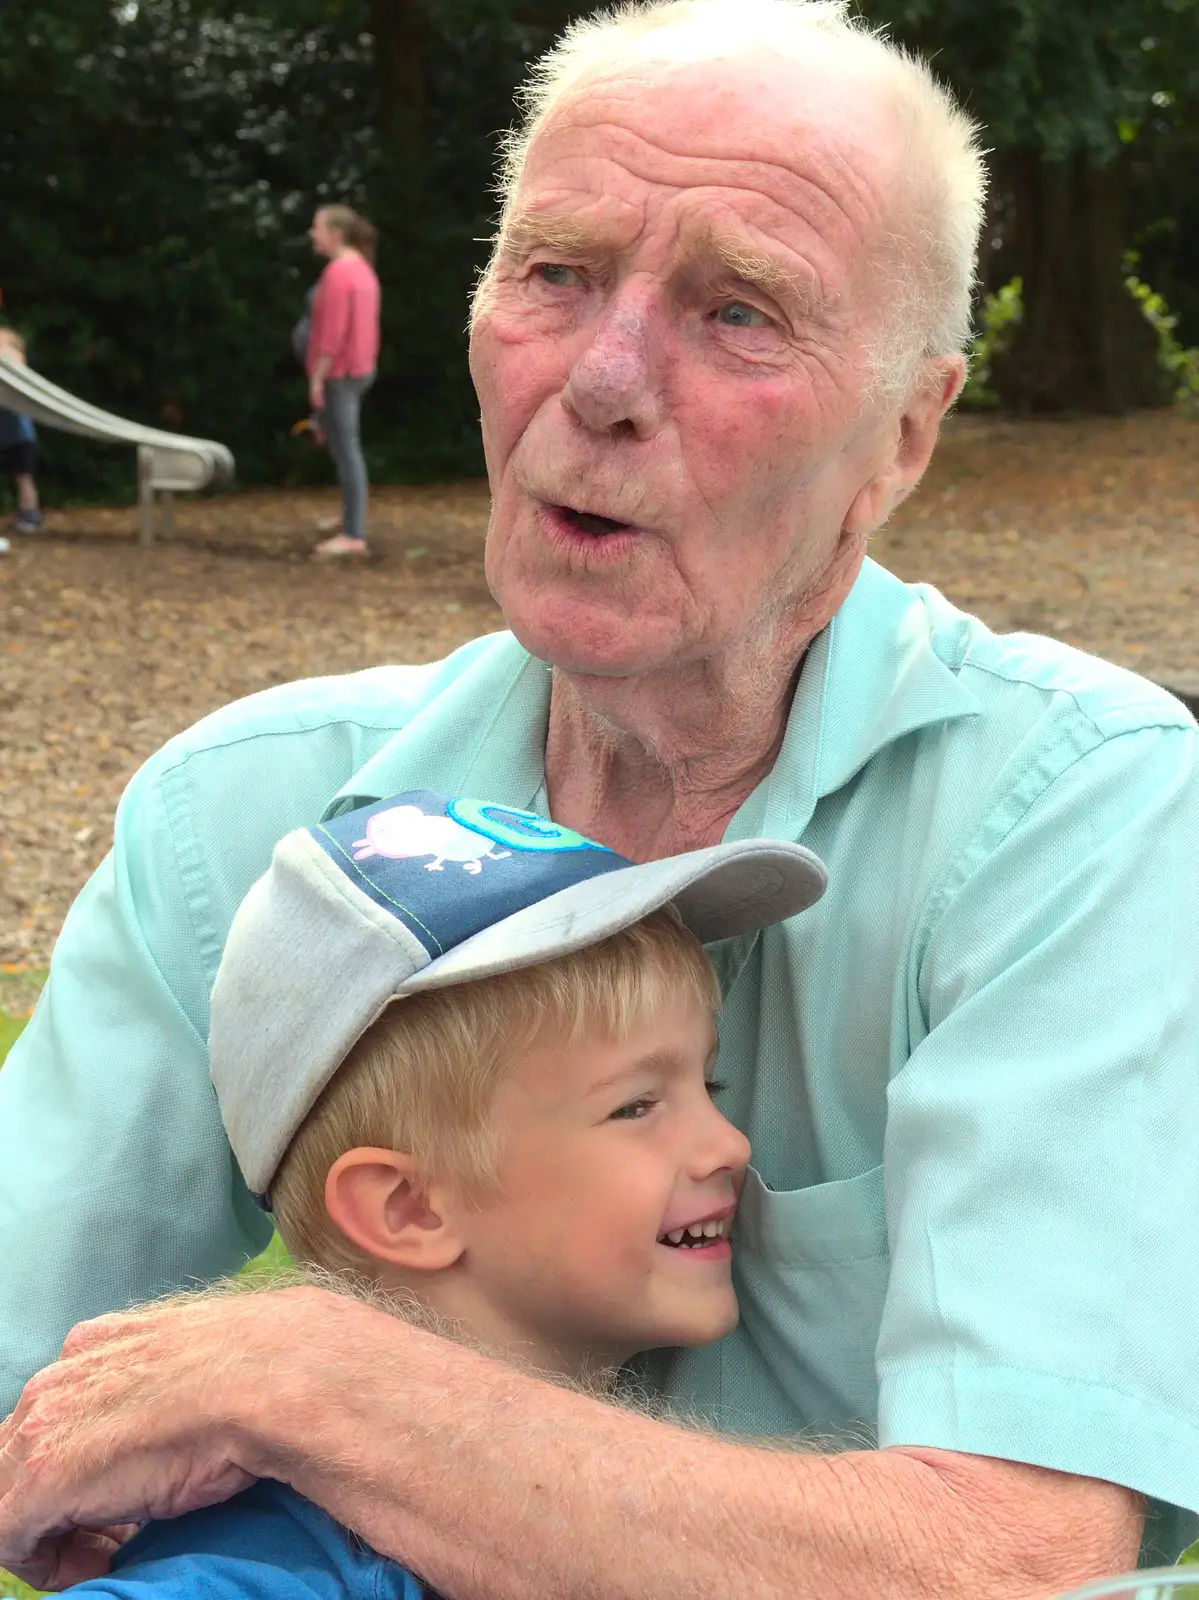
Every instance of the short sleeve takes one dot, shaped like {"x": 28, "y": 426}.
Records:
{"x": 199, "y": 1577}
{"x": 267, "y": 1543}
{"x": 1042, "y": 1144}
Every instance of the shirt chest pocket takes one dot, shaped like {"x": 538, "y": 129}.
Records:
{"x": 811, "y": 1267}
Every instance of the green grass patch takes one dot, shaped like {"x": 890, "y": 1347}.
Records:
{"x": 19, "y": 989}
{"x": 273, "y": 1259}
{"x": 10, "y": 1027}
{"x": 13, "y": 1589}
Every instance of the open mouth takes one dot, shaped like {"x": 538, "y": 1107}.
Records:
{"x": 698, "y": 1235}
{"x": 589, "y": 522}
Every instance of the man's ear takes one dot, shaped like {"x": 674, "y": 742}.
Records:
{"x": 913, "y": 438}
{"x": 382, "y": 1202}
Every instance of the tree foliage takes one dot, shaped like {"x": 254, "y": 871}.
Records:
{"x": 1061, "y": 77}
{"x": 1071, "y": 92}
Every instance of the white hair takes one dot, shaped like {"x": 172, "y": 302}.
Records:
{"x": 929, "y": 253}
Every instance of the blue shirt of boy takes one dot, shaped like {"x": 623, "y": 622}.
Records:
{"x": 267, "y": 1543}
{"x": 968, "y": 1075}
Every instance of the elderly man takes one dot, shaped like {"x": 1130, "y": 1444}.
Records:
{"x": 724, "y": 318}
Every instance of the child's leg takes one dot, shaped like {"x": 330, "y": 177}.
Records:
{"x": 26, "y": 486}
{"x": 22, "y": 462}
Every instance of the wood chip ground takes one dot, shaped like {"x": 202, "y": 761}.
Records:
{"x": 1086, "y": 530}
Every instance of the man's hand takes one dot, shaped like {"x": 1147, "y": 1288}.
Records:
{"x": 141, "y": 1417}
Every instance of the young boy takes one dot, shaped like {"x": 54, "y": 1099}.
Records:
{"x": 18, "y": 446}
{"x": 465, "y": 1055}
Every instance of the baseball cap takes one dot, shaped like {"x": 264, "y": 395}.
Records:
{"x": 419, "y": 891}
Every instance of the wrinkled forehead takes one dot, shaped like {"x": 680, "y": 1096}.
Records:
{"x": 773, "y": 139}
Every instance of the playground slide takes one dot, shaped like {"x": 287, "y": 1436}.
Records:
{"x": 166, "y": 462}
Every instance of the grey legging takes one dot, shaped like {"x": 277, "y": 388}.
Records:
{"x": 343, "y": 405}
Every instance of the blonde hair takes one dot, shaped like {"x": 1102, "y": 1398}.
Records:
{"x": 357, "y": 232}
{"x": 422, "y": 1078}
{"x": 930, "y": 257}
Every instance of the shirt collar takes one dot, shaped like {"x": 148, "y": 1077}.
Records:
{"x": 871, "y": 677}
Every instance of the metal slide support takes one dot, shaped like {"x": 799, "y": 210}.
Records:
{"x": 167, "y": 502}
{"x": 145, "y": 495}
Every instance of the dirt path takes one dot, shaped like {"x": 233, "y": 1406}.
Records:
{"x": 1089, "y": 531}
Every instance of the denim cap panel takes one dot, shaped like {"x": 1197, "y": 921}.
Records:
{"x": 449, "y": 868}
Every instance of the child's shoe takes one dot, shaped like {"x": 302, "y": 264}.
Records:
{"x": 27, "y": 522}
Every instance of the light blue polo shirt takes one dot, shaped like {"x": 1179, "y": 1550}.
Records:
{"x": 970, "y": 1075}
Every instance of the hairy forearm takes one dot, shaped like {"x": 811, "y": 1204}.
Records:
{"x": 494, "y": 1485}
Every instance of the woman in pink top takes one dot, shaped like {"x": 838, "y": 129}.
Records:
{"x": 343, "y": 346}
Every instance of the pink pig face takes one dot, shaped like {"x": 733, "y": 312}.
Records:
{"x": 395, "y": 833}
{"x": 405, "y": 831}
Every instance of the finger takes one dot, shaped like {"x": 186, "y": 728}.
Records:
{"x": 106, "y": 1330}
{"x": 76, "y": 1557}
{"x": 43, "y": 1467}
{"x": 8, "y": 1468}
{"x": 83, "y": 1556}
{"x": 45, "y": 1521}
{"x": 56, "y": 1389}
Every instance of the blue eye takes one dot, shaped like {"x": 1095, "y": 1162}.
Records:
{"x": 634, "y": 1111}
{"x": 739, "y": 315}
{"x": 555, "y": 272}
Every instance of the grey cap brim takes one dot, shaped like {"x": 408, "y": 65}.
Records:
{"x": 720, "y": 892}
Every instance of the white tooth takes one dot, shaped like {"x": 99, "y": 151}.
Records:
{"x": 696, "y": 1230}
{"x": 711, "y": 1230}
{"x": 675, "y": 1236}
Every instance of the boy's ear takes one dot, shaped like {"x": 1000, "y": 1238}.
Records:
{"x": 382, "y": 1203}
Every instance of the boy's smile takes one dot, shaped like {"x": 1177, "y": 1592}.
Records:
{"x": 608, "y": 1232}
{"x": 709, "y": 1235}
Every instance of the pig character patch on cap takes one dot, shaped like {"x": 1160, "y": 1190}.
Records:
{"x": 405, "y": 832}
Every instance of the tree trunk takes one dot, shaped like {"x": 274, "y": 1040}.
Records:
{"x": 1083, "y": 344}
{"x": 398, "y": 29}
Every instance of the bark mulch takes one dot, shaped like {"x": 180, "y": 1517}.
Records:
{"x": 1087, "y": 530}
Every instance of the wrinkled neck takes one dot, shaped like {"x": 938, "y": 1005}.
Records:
{"x": 652, "y": 767}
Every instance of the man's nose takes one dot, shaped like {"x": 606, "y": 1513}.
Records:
{"x": 613, "y": 385}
